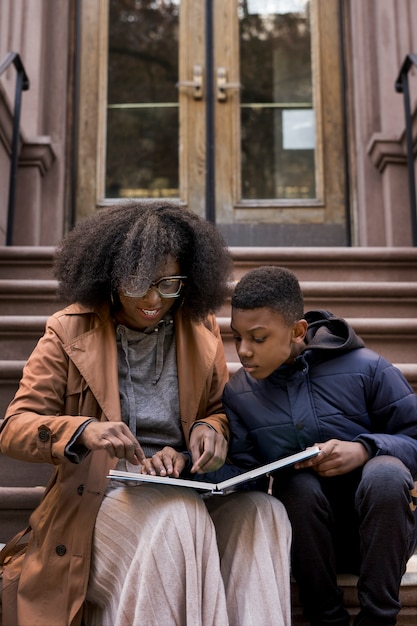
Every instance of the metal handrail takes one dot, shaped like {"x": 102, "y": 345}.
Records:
{"x": 22, "y": 84}
{"x": 401, "y": 86}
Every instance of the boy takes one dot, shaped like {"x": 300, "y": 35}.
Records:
{"x": 309, "y": 380}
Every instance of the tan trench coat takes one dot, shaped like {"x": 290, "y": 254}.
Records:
{"x": 71, "y": 375}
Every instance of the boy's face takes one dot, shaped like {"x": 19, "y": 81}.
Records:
{"x": 264, "y": 341}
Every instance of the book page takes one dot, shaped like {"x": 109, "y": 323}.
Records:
{"x": 216, "y": 487}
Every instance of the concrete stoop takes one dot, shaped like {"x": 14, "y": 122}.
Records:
{"x": 408, "y": 597}
{"x": 374, "y": 288}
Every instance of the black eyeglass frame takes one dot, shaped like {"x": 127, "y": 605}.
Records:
{"x": 129, "y": 293}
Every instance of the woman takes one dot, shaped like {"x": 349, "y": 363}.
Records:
{"x": 131, "y": 375}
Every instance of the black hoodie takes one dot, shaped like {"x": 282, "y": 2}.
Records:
{"x": 328, "y": 332}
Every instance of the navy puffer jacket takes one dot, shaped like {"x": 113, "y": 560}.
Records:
{"x": 335, "y": 389}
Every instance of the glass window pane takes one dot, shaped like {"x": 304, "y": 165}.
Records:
{"x": 142, "y": 114}
{"x": 277, "y": 113}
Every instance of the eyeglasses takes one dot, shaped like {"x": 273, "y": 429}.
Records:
{"x": 167, "y": 287}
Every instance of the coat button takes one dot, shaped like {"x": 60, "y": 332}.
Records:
{"x": 60, "y": 550}
{"x": 44, "y": 434}
{"x": 80, "y": 490}
{"x": 299, "y": 426}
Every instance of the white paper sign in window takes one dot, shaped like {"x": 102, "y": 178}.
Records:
{"x": 298, "y": 129}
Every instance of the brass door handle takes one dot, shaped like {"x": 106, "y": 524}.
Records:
{"x": 196, "y": 84}
{"x": 223, "y": 85}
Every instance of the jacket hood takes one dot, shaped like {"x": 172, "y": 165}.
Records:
{"x": 328, "y": 332}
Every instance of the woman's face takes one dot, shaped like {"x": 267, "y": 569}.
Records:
{"x": 147, "y": 310}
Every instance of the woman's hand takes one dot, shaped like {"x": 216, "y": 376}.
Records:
{"x": 208, "y": 449}
{"x": 115, "y": 438}
{"x": 336, "y": 457}
{"x": 166, "y": 462}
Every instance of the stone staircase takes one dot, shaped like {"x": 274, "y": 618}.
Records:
{"x": 375, "y": 289}
{"x": 27, "y": 297}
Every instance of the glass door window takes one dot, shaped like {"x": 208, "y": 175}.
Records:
{"x": 277, "y": 111}
{"x": 142, "y": 109}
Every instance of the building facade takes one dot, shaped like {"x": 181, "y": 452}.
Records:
{"x": 279, "y": 121}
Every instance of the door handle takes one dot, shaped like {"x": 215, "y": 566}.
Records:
{"x": 196, "y": 84}
{"x": 223, "y": 85}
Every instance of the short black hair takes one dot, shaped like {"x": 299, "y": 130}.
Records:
{"x": 135, "y": 237}
{"x": 270, "y": 286}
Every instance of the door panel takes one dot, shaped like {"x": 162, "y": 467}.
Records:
{"x": 142, "y": 100}
{"x": 279, "y": 172}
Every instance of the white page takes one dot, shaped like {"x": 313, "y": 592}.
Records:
{"x": 216, "y": 487}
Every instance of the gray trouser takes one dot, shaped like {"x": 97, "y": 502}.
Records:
{"x": 359, "y": 523}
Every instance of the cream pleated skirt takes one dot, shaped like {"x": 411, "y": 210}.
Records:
{"x": 164, "y": 556}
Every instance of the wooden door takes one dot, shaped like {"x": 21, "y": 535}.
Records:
{"x": 279, "y": 175}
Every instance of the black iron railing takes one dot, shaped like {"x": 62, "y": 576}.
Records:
{"x": 402, "y": 86}
{"x": 22, "y": 84}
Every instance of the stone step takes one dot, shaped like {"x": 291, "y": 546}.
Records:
{"x": 26, "y": 262}
{"x": 408, "y": 597}
{"x": 314, "y": 263}
{"x": 21, "y": 488}
{"x": 323, "y": 264}
{"x": 10, "y": 375}
{"x": 19, "y": 334}
{"x": 346, "y": 298}
{"x": 395, "y": 339}
{"x": 28, "y": 297}
{"x": 356, "y": 299}
{"x": 16, "y": 506}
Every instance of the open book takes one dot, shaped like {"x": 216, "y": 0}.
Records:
{"x": 221, "y": 487}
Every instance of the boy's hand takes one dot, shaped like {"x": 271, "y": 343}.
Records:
{"x": 336, "y": 457}
{"x": 208, "y": 449}
{"x": 165, "y": 462}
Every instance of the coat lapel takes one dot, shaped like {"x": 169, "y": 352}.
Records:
{"x": 196, "y": 351}
{"x": 95, "y": 355}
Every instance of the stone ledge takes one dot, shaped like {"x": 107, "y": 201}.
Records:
{"x": 33, "y": 151}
